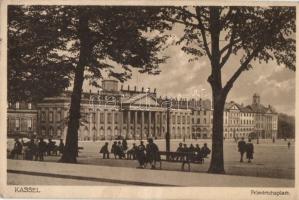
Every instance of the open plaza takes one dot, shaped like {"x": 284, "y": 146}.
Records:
{"x": 272, "y": 161}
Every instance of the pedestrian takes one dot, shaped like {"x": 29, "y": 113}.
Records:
{"x": 289, "y": 144}
{"x": 114, "y": 149}
{"x": 61, "y": 146}
{"x": 249, "y": 150}
{"x": 152, "y": 153}
{"x": 104, "y": 151}
{"x": 124, "y": 145}
{"x": 31, "y": 150}
{"x": 131, "y": 153}
{"x": 17, "y": 149}
{"x": 205, "y": 151}
{"x": 242, "y": 148}
{"x": 119, "y": 150}
{"x": 179, "y": 151}
{"x": 141, "y": 155}
{"x": 42, "y": 148}
{"x": 198, "y": 155}
{"x": 50, "y": 147}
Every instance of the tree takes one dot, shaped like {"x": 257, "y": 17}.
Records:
{"x": 33, "y": 70}
{"x": 245, "y": 33}
{"x": 93, "y": 39}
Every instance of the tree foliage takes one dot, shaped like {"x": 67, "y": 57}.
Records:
{"x": 223, "y": 33}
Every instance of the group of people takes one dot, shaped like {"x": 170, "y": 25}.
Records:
{"x": 247, "y": 148}
{"x": 35, "y": 149}
{"x": 197, "y": 153}
{"x": 118, "y": 149}
{"x": 144, "y": 154}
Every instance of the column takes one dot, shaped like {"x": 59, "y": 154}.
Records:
{"x": 155, "y": 124}
{"x": 135, "y": 124}
{"x": 161, "y": 124}
{"x": 149, "y": 124}
{"x": 142, "y": 124}
{"x": 113, "y": 128}
{"x": 121, "y": 117}
{"x": 128, "y": 124}
{"x": 105, "y": 124}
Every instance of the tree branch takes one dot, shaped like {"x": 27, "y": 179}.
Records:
{"x": 230, "y": 46}
{"x": 243, "y": 67}
{"x": 203, "y": 33}
{"x": 228, "y": 15}
{"x": 182, "y": 22}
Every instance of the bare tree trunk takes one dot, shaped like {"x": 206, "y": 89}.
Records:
{"x": 71, "y": 145}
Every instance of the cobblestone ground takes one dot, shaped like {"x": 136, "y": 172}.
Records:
{"x": 270, "y": 159}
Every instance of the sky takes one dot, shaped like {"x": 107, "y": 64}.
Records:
{"x": 179, "y": 78}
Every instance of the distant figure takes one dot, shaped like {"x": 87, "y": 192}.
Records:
{"x": 31, "y": 150}
{"x": 17, "y": 149}
{"x": 191, "y": 148}
{"x": 179, "y": 150}
{"x": 249, "y": 150}
{"x": 273, "y": 139}
{"x": 198, "y": 154}
{"x": 50, "y": 147}
{"x": 289, "y": 144}
{"x": 42, "y": 147}
{"x": 104, "y": 151}
{"x": 205, "y": 151}
{"x": 131, "y": 153}
{"x": 140, "y": 154}
{"x": 124, "y": 145}
{"x": 119, "y": 150}
{"x": 242, "y": 148}
{"x": 114, "y": 149}
{"x": 61, "y": 146}
{"x": 152, "y": 153}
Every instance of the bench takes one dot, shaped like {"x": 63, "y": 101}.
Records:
{"x": 180, "y": 157}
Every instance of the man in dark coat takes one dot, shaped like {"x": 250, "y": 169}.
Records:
{"x": 104, "y": 151}
{"x": 179, "y": 150}
{"x": 42, "y": 148}
{"x": 249, "y": 150}
{"x": 17, "y": 149}
{"x": 61, "y": 146}
{"x": 140, "y": 154}
{"x": 152, "y": 153}
{"x": 205, "y": 151}
{"x": 31, "y": 149}
{"x": 131, "y": 153}
{"x": 242, "y": 148}
{"x": 114, "y": 149}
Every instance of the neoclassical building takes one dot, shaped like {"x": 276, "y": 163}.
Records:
{"x": 113, "y": 113}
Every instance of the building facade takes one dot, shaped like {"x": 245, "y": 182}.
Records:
{"x": 138, "y": 114}
{"x": 114, "y": 113}
{"x": 21, "y": 119}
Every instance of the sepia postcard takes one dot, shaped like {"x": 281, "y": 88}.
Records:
{"x": 168, "y": 99}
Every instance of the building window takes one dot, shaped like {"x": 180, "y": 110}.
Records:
{"x": 184, "y": 119}
{"x": 51, "y": 116}
{"x": 188, "y": 119}
{"x": 43, "y": 130}
{"x": 192, "y": 120}
{"x": 204, "y": 120}
{"x": 204, "y": 112}
{"x": 29, "y": 124}
{"x": 198, "y": 120}
{"x": 102, "y": 120}
{"x": 115, "y": 118}
{"x": 173, "y": 119}
{"x": 109, "y": 116}
{"x": 43, "y": 116}
{"x": 17, "y": 124}
{"x": 17, "y": 105}
{"x": 51, "y": 131}
{"x": 179, "y": 119}
{"x": 58, "y": 118}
